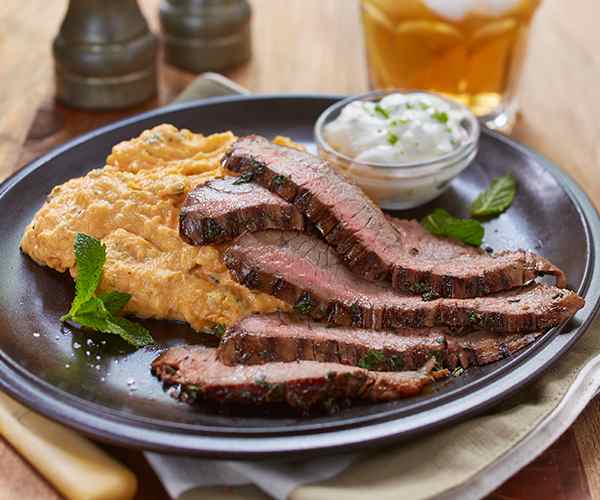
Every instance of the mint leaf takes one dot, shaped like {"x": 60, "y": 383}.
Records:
{"x": 496, "y": 198}
{"x": 99, "y": 313}
{"x": 115, "y": 301}
{"x": 93, "y": 314}
{"x": 134, "y": 333}
{"x": 441, "y": 223}
{"x": 90, "y": 255}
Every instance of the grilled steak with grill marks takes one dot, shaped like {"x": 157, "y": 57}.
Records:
{"x": 306, "y": 273}
{"x": 265, "y": 338}
{"x": 481, "y": 348}
{"x": 222, "y": 209}
{"x": 301, "y": 384}
{"x": 363, "y": 237}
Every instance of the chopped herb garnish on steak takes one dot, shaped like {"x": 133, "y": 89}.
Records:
{"x": 244, "y": 178}
{"x": 430, "y": 295}
{"x": 439, "y": 359}
{"x": 257, "y": 168}
{"x": 474, "y": 317}
{"x": 371, "y": 360}
{"x": 218, "y": 330}
{"x": 305, "y": 304}
{"x": 356, "y": 313}
{"x": 213, "y": 229}
{"x": 279, "y": 180}
{"x": 396, "y": 363}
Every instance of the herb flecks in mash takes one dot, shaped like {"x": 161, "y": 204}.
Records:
{"x": 100, "y": 313}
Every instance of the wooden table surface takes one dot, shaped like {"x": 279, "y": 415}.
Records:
{"x": 316, "y": 46}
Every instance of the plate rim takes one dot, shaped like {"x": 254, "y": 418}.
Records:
{"x": 19, "y": 383}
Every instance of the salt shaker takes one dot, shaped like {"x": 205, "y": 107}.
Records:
{"x": 104, "y": 55}
{"x": 206, "y": 35}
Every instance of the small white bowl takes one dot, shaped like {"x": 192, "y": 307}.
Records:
{"x": 403, "y": 185}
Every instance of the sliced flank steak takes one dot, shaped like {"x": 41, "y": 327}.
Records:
{"x": 306, "y": 273}
{"x": 266, "y": 338}
{"x": 301, "y": 384}
{"x": 481, "y": 348}
{"x": 364, "y": 238}
{"x": 220, "y": 210}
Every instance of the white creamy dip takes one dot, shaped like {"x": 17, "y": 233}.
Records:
{"x": 399, "y": 129}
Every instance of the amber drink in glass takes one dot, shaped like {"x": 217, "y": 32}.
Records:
{"x": 469, "y": 50}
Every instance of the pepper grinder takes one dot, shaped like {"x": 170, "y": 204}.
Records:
{"x": 104, "y": 55}
{"x": 206, "y": 35}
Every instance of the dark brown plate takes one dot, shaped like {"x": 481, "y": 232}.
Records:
{"x": 107, "y": 390}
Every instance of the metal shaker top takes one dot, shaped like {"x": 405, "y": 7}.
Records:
{"x": 105, "y": 55}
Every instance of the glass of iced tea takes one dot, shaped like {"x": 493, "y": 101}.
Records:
{"x": 469, "y": 50}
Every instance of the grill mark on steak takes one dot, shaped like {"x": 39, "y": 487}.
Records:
{"x": 233, "y": 209}
{"x": 301, "y": 384}
{"x": 360, "y": 233}
{"x": 481, "y": 348}
{"x": 288, "y": 339}
{"x": 220, "y": 210}
{"x": 332, "y": 293}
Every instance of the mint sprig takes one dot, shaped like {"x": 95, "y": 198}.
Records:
{"x": 115, "y": 301}
{"x": 496, "y": 198}
{"x": 441, "y": 223}
{"x": 100, "y": 313}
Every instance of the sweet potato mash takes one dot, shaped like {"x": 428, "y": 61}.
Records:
{"x": 132, "y": 205}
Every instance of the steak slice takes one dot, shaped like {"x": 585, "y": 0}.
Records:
{"x": 265, "y": 338}
{"x": 481, "y": 348}
{"x": 306, "y": 273}
{"x": 360, "y": 233}
{"x": 220, "y": 210}
{"x": 300, "y": 384}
